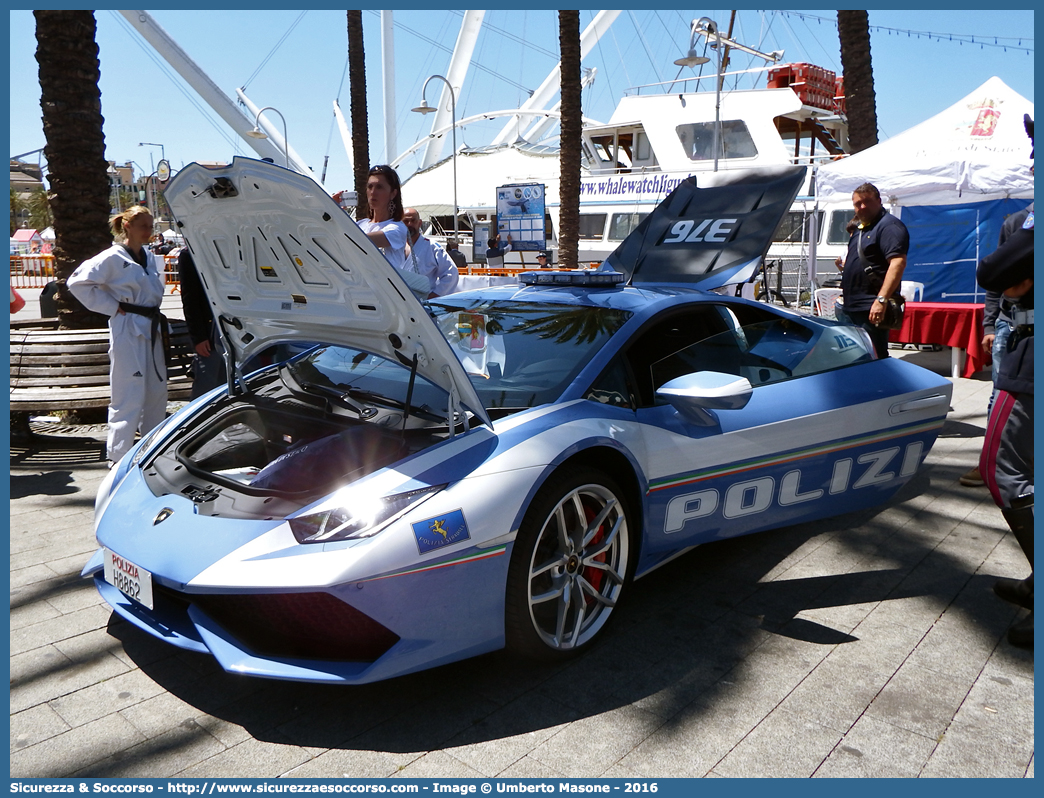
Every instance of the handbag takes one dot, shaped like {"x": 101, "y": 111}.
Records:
{"x": 895, "y": 307}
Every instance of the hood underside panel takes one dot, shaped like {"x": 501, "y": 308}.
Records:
{"x": 281, "y": 262}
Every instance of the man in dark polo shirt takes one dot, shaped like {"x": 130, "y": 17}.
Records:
{"x": 874, "y": 267}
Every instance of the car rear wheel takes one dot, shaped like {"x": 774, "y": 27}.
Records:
{"x": 570, "y": 564}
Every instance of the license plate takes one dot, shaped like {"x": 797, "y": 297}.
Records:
{"x": 130, "y": 579}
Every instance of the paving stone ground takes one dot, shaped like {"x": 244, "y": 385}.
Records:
{"x": 865, "y": 645}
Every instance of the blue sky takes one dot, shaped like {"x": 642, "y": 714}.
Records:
{"x": 915, "y": 75}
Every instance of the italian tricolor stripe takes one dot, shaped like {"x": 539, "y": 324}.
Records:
{"x": 474, "y": 556}
{"x": 790, "y": 457}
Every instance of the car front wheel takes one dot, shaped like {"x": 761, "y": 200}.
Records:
{"x": 569, "y": 566}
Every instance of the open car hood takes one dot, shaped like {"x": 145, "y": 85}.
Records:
{"x": 281, "y": 262}
{"x": 711, "y": 236}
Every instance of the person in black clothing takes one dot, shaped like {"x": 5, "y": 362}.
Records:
{"x": 208, "y": 367}
{"x": 1006, "y": 463}
{"x": 874, "y": 266}
{"x": 452, "y": 249}
{"x": 996, "y": 329}
{"x": 495, "y": 254}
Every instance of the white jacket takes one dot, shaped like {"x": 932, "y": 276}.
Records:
{"x": 113, "y": 276}
{"x": 432, "y": 261}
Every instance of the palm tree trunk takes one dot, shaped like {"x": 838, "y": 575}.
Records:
{"x": 853, "y": 29}
{"x": 360, "y": 122}
{"x": 569, "y": 156}
{"x": 75, "y": 149}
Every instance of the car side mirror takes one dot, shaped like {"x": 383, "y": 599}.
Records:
{"x": 695, "y": 395}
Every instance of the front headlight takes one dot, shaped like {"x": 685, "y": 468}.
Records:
{"x": 364, "y": 518}
{"x": 147, "y": 444}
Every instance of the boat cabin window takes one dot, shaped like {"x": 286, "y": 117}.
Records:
{"x": 643, "y": 151}
{"x": 613, "y": 150}
{"x": 618, "y": 149}
{"x": 623, "y": 223}
{"x": 602, "y": 147}
{"x": 698, "y": 140}
{"x": 793, "y": 227}
{"x": 837, "y": 234}
{"x": 642, "y": 148}
{"x": 592, "y": 226}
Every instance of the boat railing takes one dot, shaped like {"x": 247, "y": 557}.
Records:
{"x": 667, "y": 86}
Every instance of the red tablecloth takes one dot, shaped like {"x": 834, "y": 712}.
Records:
{"x": 956, "y": 324}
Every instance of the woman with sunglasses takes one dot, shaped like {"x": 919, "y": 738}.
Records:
{"x": 385, "y": 227}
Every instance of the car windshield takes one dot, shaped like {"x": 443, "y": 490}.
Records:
{"x": 523, "y": 354}
{"x": 769, "y": 351}
{"x": 361, "y": 379}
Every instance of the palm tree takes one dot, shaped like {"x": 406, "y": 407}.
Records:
{"x": 75, "y": 151}
{"x": 39, "y": 208}
{"x": 853, "y": 29}
{"x": 360, "y": 123}
{"x": 569, "y": 157}
{"x": 16, "y": 207}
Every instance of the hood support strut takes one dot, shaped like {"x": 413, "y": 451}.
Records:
{"x": 409, "y": 392}
{"x": 230, "y": 353}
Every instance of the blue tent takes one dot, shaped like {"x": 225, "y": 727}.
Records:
{"x": 952, "y": 179}
{"x": 947, "y": 241}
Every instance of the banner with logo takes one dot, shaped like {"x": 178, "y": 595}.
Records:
{"x": 520, "y": 212}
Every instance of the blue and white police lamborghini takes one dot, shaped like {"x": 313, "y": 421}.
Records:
{"x": 410, "y": 484}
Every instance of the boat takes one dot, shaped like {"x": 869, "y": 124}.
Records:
{"x": 658, "y": 135}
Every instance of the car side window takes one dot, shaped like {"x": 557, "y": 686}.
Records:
{"x": 765, "y": 351}
{"x": 665, "y": 350}
{"x": 613, "y": 387}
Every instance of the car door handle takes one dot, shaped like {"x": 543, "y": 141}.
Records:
{"x": 923, "y": 403}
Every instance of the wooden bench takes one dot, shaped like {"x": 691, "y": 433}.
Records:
{"x": 54, "y": 370}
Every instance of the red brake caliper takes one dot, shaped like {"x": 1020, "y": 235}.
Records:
{"x": 594, "y": 575}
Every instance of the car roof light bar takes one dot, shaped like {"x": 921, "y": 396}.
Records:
{"x": 598, "y": 277}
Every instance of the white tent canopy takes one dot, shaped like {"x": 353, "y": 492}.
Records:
{"x": 976, "y": 150}
{"x": 479, "y": 173}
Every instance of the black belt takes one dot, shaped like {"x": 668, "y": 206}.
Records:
{"x": 159, "y": 327}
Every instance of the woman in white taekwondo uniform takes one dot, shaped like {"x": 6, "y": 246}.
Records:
{"x": 125, "y": 282}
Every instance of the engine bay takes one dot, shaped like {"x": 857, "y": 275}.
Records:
{"x": 267, "y": 453}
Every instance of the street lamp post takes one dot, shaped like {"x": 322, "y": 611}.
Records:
{"x": 258, "y": 133}
{"x": 424, "y": 108}
{"x": 709, "y": 28}
{"x": 114, "y": 186}
{"x": 150, "y": 194}
{"x": 163, "y": 152}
